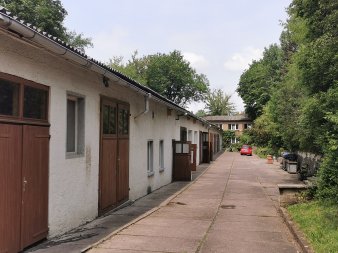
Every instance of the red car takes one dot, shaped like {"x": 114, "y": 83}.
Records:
{"x": 246, "y": 150}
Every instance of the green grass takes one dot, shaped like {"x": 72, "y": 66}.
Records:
{"x": 319, "y": 223}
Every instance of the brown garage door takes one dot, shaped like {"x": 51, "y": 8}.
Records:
{"x": 24, "y": 155}
{"x": 114, "y": 154}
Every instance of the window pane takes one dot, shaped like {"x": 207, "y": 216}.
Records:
{"x": 123, "y": 122}
{"x": 9, "y": 98}
{"x": 178, "y": 148}
{"x": 105, "y": 119}
{"x": 150, "y": 167}
{"x": 185, "y": 148}
{"x": 161, "y": 154}
{"x": 71, "y": 125}
{"x": 109, "y": 119}
{"x": 112, "y": 120}
{"x": 35, "y": 103}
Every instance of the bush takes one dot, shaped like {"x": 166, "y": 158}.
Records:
{"x": 328, "y": 176}
{"x": 262, "y": 152}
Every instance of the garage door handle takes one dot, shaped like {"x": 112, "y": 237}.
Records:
{"x": 24, "y": 184}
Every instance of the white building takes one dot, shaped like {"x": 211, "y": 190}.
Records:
{"x": 77, "y": 138}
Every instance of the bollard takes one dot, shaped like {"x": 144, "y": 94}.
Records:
{"x": 269, "y": 159}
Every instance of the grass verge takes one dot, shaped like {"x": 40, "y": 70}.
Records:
{"x": 319, "y": 223}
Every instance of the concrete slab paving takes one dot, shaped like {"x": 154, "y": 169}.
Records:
{"x": 150, "y": 243}
{"x": 80, "y": 238}
{"x": 230, "y": 208}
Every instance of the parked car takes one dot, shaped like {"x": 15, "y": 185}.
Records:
{"x": 246, "y": 150}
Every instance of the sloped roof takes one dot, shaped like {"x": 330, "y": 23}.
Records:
{"x": 30, "y": 32}
{"x": 223, "y": 118}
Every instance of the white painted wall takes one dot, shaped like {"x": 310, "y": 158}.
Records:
{"x": 73, "y": 182}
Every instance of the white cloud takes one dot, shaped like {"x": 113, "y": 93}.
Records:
{"x": 110, "y": 43}
{"x": 240, "y": 61}
{"x": 197, "y": 61}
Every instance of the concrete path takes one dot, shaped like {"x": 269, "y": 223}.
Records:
{"x": 230, "y": 208}
{"x": 84, "y": 236}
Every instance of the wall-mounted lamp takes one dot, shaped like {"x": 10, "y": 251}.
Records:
{"x": 180, "y": 115}
{"x": 105, "y": 81}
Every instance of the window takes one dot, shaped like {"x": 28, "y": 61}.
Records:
{"x": 189, "y": 135}
{"x": 247, "y": 126}
{"x": 195, "y": 137}
{"x": 109, "y": 119}
{"x": 161, "y": 155}
{"x": 9, "y": 98}
{"x": 23, "y": 100}
{"x": 233, "y": 126}
{"x": 150, "y": 158}
{"x": 234, "y": 140}
{"x": 35, "y": 103}
{"x": 183, "y": 134}
{"x": 75, "y": 126}
{"x": 123, "y": 121}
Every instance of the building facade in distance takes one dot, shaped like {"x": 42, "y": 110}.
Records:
{"x": 237, "y": 123}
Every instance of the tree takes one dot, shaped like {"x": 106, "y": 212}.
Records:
{"x": 295, "y": 99}
{"x": 218, "y": 103}
{"x": 168, "y": 74}
{"x": 227, "y": 136}
{"x": 48, "y": 15}
{"x": 256, "y": 83}
{"x": 201, "y": 113}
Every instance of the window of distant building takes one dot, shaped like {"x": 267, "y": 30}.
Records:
{"x": 233, "y": 126}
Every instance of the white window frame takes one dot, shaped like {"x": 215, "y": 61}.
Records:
{"x": 79, "y": 138}
{"x": 150, "y": 158}
{"x": 234, "y": 126}
{"x": 234, "y": 140}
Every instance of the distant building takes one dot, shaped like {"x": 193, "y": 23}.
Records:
{"x": 237, "y": 123}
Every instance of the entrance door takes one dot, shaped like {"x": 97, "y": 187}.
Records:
{"x": 182, "y": 160}
{"x": 205, "y": 148}
{"x": 24, "y": 157}
{"x": 10, "y": 187}
{"x": 34, "y": 218}
{"x": 114, "y": 154}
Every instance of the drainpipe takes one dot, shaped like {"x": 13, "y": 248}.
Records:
{"x": 146, "y": 105}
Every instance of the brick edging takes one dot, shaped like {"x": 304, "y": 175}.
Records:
{"x": 297, "y": 234}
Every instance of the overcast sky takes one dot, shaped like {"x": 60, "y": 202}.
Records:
{"x": 219, "y": 37}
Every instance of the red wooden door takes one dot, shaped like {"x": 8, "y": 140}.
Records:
{"x": 181, "y": 163}
{"x": 114, "y": 154}
{"x": 35, "y": 163}
{"x": 10, "y": 187}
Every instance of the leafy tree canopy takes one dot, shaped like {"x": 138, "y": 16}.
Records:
{"x": 218, "y": 103}
{"x": 168, "y": 74}
{"x": 295, "y": 96}
{"x": 201, "y": 113}
{"x": 48, "y": 15}
{"x": 256, "y": 83}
